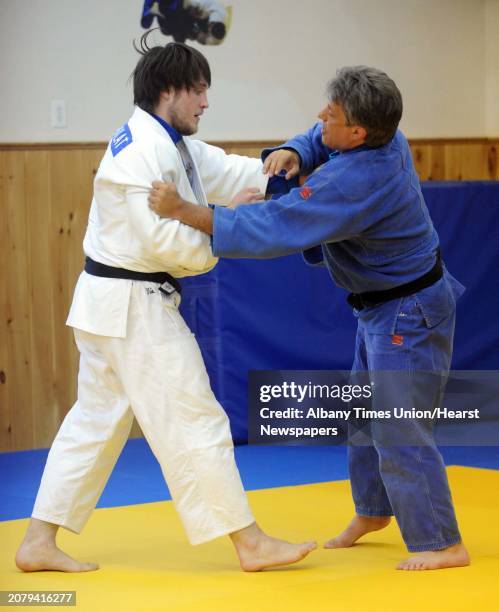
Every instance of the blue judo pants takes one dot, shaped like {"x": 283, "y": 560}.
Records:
{"x": 407, "y": 480}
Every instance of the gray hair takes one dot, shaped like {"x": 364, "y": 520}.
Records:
{"x": 369, "y": 98}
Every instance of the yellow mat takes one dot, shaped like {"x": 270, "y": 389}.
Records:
{"x": 146, "y": 563}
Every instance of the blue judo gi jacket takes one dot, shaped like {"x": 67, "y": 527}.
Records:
{"x": 361, "y": 213}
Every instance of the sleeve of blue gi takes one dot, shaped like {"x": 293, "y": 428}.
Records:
{"x": 279, "y": 186}
{"x": 314, "y": 256}
{"x": 309, "y": 147}
{"x": 340, "y": 200}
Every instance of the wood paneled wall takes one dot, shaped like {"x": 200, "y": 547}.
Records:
{"x": 470, "y": 159}
{"x": 45, "y": 195}
{"x": 45, "y": 192}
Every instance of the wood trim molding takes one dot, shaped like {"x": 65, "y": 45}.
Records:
{"x": 454, "y": 141}
{"x": 52, "y": 146}
{"x": 232, "y": 144}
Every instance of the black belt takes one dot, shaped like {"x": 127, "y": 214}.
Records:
{"x": 373, "y": 298}
{"x": 98, "y": 269}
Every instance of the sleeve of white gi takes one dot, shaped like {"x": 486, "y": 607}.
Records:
{"x": 222, "y": 175}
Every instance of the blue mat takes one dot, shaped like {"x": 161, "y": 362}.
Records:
{"x": 137, "y": 477}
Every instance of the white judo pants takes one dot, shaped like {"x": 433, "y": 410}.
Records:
{"x": 158, "y": 374}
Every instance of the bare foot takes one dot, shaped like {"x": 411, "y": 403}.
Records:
{"x": 359, "y": 526}
{"x": 39, "y": 551}
{"x": 454, "y": 556}
{"x": 258, "y": 551}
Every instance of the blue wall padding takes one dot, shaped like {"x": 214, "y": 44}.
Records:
{"x": 281, "y": 314}
{"x": 466, "y": 216}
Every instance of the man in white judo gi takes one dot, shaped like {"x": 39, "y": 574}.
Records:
{"x": 138, "y": 357}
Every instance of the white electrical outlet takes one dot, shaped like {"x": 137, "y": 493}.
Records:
{"x": 58, "y": 113}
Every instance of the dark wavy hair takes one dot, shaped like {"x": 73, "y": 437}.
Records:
{"x": 175, "y": 66}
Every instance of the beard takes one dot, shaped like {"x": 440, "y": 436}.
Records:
{"x": 181, "y": 125}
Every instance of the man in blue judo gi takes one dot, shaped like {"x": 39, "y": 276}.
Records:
{"x": 362, "y": 214}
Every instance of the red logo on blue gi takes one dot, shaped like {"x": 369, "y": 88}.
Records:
{"x": 305, "y": 193}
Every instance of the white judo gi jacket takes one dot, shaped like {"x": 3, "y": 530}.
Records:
{"x": 137, "y": 355}
{"x": 124, "y": 233}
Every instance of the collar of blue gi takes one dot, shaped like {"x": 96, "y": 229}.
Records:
{"x": 171, "y": 131}
{"x": 362, "y": 147}
{"x": 335, "y": 152}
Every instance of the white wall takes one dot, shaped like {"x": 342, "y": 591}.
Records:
{"x": 269, "y": 75}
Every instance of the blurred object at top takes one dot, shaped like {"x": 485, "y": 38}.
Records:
{"x": 205, "y": 21}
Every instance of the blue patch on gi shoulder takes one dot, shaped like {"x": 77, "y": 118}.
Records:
{"x": 121, "y": 139}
